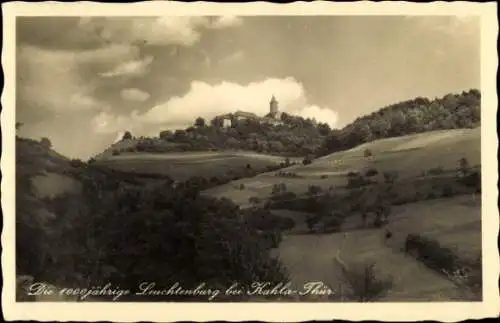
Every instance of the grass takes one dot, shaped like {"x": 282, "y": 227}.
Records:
{"x": 453, "y": 222}
{"x": 408, "y": 155}
{"x": 181, "y": 166}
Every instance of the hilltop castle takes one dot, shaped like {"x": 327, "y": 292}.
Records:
{"x": 273, "y": 117}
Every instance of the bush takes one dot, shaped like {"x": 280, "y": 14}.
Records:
{"x": 390, "y": 177}
{"x": 367, "y": 153}
{"x": 377, "y": 222}
{"x": 116, "y": 152}
{"x": 436, "y": 170}
{"x": 353, "y": 174}
{"x": 432, "y": 254}
{"x": 447, "y": 191}
{"x": 371, "y": 172}
{"x": 254, "y": 200}
{"x": 76, "y": 163}
{"x": 364, "y": 284}
{"x": 358, "y": 181}
{"x": 314, "y": 190}
{"x": 311, "y": 221}
{"x": 307, "y": 161}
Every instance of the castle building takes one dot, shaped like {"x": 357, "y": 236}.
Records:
{"x": 273, "y": 117}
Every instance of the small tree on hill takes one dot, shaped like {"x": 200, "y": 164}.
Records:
{"x": 464, "y": 166}
{"x": 368, "y": 153}
{"x": 307, "y": 160}
{"x": 46, "y": 143}
{"x": 127, "y": 135}
{"x": 311, "y": 221}
{"x": 200, "y": 122}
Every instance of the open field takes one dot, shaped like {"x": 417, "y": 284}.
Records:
{"x": 408, "y": 155}
{"x": 454, "y": 222}
{"x": 181, "y": 166}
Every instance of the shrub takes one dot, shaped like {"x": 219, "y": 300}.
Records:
{"x": 358, "y": 181}
{"x": 365, "y": 285}
{"x": 436, "y": 170}
{"x": 371, "y": 172}
{"x": 324, "y": 176}
{"x": 242, "y": 186}
{"x": 390, "y": 177}
{"x": 353, "y": 174}
{"x": 311, "y": 221}
{"x": 116, "y": 152}
{"x": 127, "y": 135}
{"x": 432, "y": 254}
{"x": 314, "y": 190}
{"x": 447, "y": 191}
{"x": 46, "y": 143}
{"x": 254, "y": 200}
{"x": 377, "y": 223}
{"x": 76, "y": 163}
{"x": 307, "y": 161}
{"x": 471, "y": 180}
{"x": 464, "y": 165}
{"x": 367, "y": 153}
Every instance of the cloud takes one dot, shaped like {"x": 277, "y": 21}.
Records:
{"x": 208, "y": 100}
{"x": 134, "y": 95}
{"x": 105, "y": 123}
{"x": 319, "y": 114}
{"x": 233, "y": 58}
{"x": 167, "y": 30}
{"x": 130, "y": 68}
{"x": 51, "y": 80}
{"x": 226, "y": 21}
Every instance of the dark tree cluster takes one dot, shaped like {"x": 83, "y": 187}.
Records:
{"x": 125, "y": 232}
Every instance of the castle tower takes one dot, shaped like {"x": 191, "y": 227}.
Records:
{"x": 273, "y": 106}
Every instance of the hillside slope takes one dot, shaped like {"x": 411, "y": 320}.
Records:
{"x": 408, "y": 155}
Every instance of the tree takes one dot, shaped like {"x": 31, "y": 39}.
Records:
{"x": 19, "y": 125}
{"x": 464, "y": 166}
{"x": 200, "y": 122}
{"x": 307, "y": 160}
{"x": 324, "y": 129}
{"x": 46, "y": 143}
{"x": 166, "y": 135}
{"x": 313, "y": 190}
{"x": 311, "y": 221}
{"x": 217, "y": 122}
{"x": 127, "y": 135}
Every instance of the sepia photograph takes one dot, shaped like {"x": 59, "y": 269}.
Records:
{"x": 249, "y": 158}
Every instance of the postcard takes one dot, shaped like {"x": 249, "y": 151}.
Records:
{"x": 166, "y": 161}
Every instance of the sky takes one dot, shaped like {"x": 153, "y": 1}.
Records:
{"x": 83, "y": 81}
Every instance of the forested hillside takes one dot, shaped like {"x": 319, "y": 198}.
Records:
{"x": 87, "y": 237}
{"x": 299, "y": 137}
{"x": 453, "y": 111}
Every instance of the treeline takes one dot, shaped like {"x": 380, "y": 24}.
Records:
{"x": 371, "y": 195}
{"x": 124, "y": 233}
{"x": 296, "y": 136}
{"x": 453, "y": 111}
